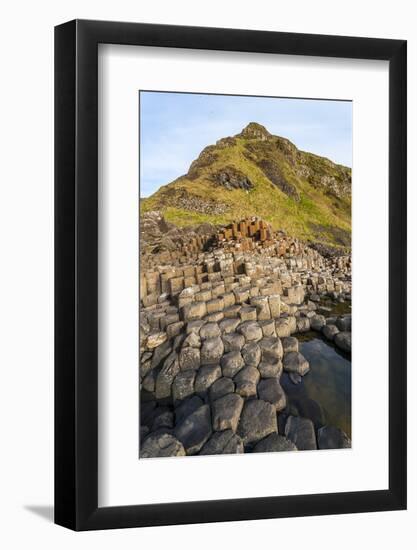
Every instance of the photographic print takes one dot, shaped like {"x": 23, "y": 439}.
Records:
{"x": 245, "y": 274}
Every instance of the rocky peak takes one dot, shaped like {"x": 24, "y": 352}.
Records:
{"x": 255, "y": 131}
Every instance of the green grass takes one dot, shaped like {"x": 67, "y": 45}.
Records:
{"x": 316, "y": 216}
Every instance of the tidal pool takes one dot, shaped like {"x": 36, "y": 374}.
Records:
{"x": 324, "y": 395}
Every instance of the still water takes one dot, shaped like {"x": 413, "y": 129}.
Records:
{"x": 324, "y": 395}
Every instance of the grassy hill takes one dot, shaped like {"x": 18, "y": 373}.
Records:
{"x": 257, "y": 173}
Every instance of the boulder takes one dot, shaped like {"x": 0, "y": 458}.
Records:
{"x": 166, "y": 376}
{"x": 330, "y": 331}
{"x": 226, "y": 412}
{"x": 289, "y": 343}
{"x": 195, "y": 430}
{"x": 251, "y": 354}
{"x": 195, "y": 310}
{"x": 343, "y": 340}
{"x": 270, "y": 390}
{"x": 160, "y": 445}
{"x": 274, "y": 443}
{"x": 205, "y": 377}
{"x": 301, "y": 432}
{"x": 246, "y": 381}
{"x": 258, "y": 419}
{"x": 221, "y": 387}
{"x": 221, "y": 443}
{"x": 251, "y": 331}
{"x": 186, "y": 407}
{"x": 228, "y": 326}
{"x": 282, "y": 327}
{"x": 211, "y": 351}
{"x": 330, "y": 437}
{"x": 232, "y": 363}
{"x": 296, "y": 362}
{"x": 233, "y": 342}
{"x": 271, "y": 349}
{"x": 270, "y": 369}
{"x": 189, "y": 358}
{"x": 317, "y": 322}
{"x": 268, "y": 327}
{"x": 183, "y": 385}
{"x": 344, "y": 323}
{"x": 192, "y": 340}
{"x": 303, "y": 324}
{"x": 209, "y": 330}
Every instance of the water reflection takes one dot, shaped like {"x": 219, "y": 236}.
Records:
{"x": 324, "y": 395}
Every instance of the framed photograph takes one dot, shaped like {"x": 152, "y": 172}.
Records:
{"x": 230, "y": 244}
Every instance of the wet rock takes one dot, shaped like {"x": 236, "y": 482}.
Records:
{"x": 289, "y": 343}
{"x": 183, "y": 385}
{"x": 274, "y": 443}
{"x": 294, "y": 377}
{"x": 159, "y": 445}
{"x": 270, "y": 390}
{"x": 195, "y": 430}
{"x": 226, "y": 412}
{"x": 296, "y": 362}
{"x": 226, "y": 442}
{"x": 330, "y": 437}
{"x": 251, "y": 354}
{"x": 232, "y": 363}
{"x": 258, "y": 419}
{"x": 211, "y": 351}
{"x": 246, "y": 381}
{"x": 343, "y": 340}
{"x": 206, "y": 376}
{"x": 330, "y": 331}
{"x": 189, "y": 358}
{"x": 301, "y": 432}
{"x": 251, "y": 331}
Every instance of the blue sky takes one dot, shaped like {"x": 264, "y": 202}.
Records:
{"x": 175, "y": 127}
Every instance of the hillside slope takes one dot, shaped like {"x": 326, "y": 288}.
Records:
{"x": 258, "y": 174}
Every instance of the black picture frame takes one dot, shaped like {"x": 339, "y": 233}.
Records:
{"x": 76, "y": 271}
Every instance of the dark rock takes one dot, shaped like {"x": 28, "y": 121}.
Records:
{"x": 232, "y": 363}
{"x": 270, "y": 390}
{"x": 226, "y": 412}
{"x": 195, "y": 430}
{"x": 330, "y": 437}
{"x": 301, "y": 432}
{"x": 206, "y": 376}
{"x": 226, "y": 442}
{"x": 221, "y": 387}
{"x": 274, "y": 443}
{"x": 258, "y": 419}
{"x": 187, "y": 407}
{"x": 343, "y": 340}
{"x": 251, "y": 354}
